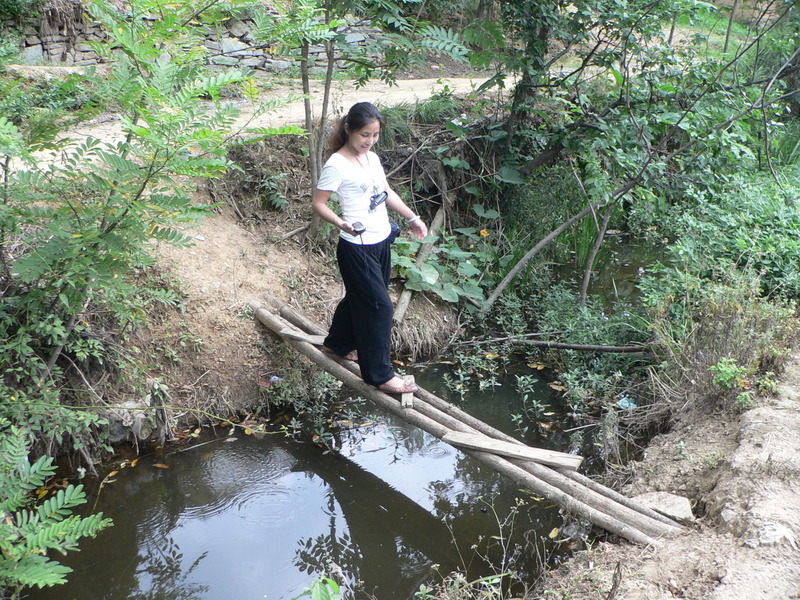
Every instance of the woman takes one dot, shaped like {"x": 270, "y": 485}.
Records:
{"x": 362, "y": 323}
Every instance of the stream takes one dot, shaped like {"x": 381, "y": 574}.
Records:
{"x": 244, "y": 517}
{"x": 235, "y": 516}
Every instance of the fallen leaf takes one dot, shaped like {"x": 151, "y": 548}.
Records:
{"x": 161, "y": 466}
{"x": 134, "y": 462}
{"x": 553, "y": 534}
{"x": 537, "y": 366}
{"x": 110, "y": 475}
{"x": 558, "y": 387}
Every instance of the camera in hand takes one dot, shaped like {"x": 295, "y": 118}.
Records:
{"x": 358, "y": 228}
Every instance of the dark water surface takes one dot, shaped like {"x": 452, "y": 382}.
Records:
{"x": 258, "y": 518}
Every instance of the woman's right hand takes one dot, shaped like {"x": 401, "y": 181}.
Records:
{"x": 347, "y": 228}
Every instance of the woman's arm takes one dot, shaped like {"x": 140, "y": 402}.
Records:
{"x": 395, "y": 202}
{"x": 319, "y": 204}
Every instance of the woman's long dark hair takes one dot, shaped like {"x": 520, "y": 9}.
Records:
{"x": 360, "y": 115}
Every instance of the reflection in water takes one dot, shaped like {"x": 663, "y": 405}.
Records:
{"x": 259, "y": 518}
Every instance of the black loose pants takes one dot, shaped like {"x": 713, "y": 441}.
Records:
{"x": 363, "y": 319}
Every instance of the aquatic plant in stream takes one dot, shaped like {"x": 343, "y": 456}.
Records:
{"x": 322, "y": 588}
{"x": 478, "y": 366}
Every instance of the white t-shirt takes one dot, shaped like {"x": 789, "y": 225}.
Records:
{"x": 356, "y": 185}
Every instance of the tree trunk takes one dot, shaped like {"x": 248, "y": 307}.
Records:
{"x": 587, "y": 273}
{"x": 730, "y": 25}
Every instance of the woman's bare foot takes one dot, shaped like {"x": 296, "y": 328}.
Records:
{"x": 397, "y": 386}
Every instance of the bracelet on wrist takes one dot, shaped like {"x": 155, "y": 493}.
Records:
{"x": 410, "y": 221}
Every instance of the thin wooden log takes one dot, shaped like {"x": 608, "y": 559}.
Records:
{"x": 601, "y": 234}
{"x": 292, "y": 315}
{"x": 407, "y": 399}
{"x": 457, "y": 419}
{"x": 542, "y": 456}
{"x": 519, "y": 475}
{"x": 294, "y": 232}
{"x": 584, "y": 347}
{"x": 405, "y": 296}
{"x": 314, "y": 340}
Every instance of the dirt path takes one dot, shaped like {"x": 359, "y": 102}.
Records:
{"x": 345, "y": 94}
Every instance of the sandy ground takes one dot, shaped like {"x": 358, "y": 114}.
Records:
{"x": 740, "y": 472}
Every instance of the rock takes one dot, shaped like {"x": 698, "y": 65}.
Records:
{"x": 32, "y": 55}
{"x": 670, "y": 505}
{"x": 234, "y": 47}
{"x": 354, "y": 38}
{"x": 238, "y": 29}
{"x": 278, "y": 65}
{"x": 773, "y": 533}
{"x": 253, "y": 61}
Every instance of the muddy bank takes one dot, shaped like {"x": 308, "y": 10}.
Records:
{"x": 742, "y": 473}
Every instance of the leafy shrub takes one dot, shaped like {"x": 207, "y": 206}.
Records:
{"x": 714, "y": 336}
{"x": 21, "y": 102}
{"x": 17, "y": 8}
{"x": 28, "y": 534}
{"x": 753, "y": 226}
{"x": 455, "y": 269}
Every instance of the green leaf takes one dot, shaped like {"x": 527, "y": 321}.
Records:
{"x": 485, "y": 214}
{"x": 456, "y": 163}
{"x": 510, "y": 175}
{"x": 426, "y": 273}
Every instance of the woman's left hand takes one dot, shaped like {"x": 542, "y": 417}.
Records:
{"x": 419, "y": 229}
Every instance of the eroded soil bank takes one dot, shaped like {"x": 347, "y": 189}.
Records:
{"x": 742, "y": 474}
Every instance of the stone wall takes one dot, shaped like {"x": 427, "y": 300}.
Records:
{"x": 231, "y": 44}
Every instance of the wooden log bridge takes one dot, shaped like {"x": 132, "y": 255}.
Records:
{"x": 552, "y": 475}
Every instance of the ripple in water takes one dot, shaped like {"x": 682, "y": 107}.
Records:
{"x": 246, "y": 479}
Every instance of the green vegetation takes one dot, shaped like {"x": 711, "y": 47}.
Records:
{"x": 656, "y": 121}
{"x": 27, "y": 534}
